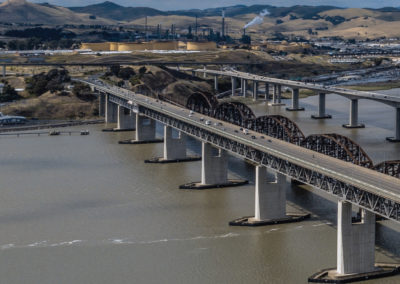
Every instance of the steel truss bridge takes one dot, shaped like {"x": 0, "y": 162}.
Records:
{"x": 373, "y": 190}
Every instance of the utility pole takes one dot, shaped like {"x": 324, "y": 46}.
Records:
{"x": 145, "y": 29}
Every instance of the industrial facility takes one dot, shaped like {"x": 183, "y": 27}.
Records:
{"x": 151, "y": 45}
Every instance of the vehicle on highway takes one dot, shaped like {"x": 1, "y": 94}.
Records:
{"x": 208, "y": 122}
{"x": 201, "y": 118}
{"x": 10, "y": 120}
{"x": 246, "y": 131}
{"x": 253, "y": 137}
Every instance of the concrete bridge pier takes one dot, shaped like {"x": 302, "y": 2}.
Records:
{"x": 255, "y": 90}
{"x": 277, "y": 96}
{"x": 266, "y": 92}
{"x": 126, "y": 119}
{"x": 321, "y": 108}
{"x": 233, "y": 80}
{"x": 111, "y": 110}
{"x": 396, "y": 138}
{"x": 205, "y": 74}
{"x": 353, "y": 119}
{"x": 4, "y": 71}
{"x": 270, "y": 202}
{"x": 214, "y": 170}
{"x": 216, "y": 83}
{"x": 193, "y": 74}
{"x": 244, "y": 87}
{"x": 145, "y": 131}
{"x": 355, "y": 250}
{"x": 102, "y": 104}
{"x": 295, "y": 101}
{"x": 174, "y": 149}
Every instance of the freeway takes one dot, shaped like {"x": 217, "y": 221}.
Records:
{"x": 352, "y": 94}
{"x": 363, "y": 178}
{"x": 137, "y": 63}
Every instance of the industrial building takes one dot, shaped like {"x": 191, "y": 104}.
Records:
{"x": 152, "y": 45}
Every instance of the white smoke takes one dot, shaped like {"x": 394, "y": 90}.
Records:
{"x": 257, "y": 20}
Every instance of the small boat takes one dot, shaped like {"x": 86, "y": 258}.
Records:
{"x": 54, "y": 133}
{"x": 85, "y": 132}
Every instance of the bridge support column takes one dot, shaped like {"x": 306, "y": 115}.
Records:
{"x": 356, "y": 242}
{"x": 321, "y": 108}
{"x": 4, "y": 71}
{"x": 174, "y": 149}
{"x": 145, "y": 131}
{"x": 216, "y": 83}
{"x": 396, "y": 137}
{"x": 205, "y": 74}
{"x": 233, "y": 80}
{"x": 126, "y": 119}
{"x": 353, "y": 119}
{"x": 111, "y": 110}
{"x": 102, "y": 104}
{"x": 277, "y": 96}
{"x": 295, "y": 101}
{"x": 244, "y": 88}
{"x": 255, "y": 90}
{"x": 270, "y": 202}
{"x": 214, "y": 170}
{"x": 355, "y": 250}
{"x": 266, "y": 98}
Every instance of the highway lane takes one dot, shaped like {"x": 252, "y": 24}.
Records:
{"x": 387, "y": 99}
{"x": 363, "y": 178}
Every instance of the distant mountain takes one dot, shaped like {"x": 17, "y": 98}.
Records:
{"x": 110, "y": 10}
{"x": 21, "y": 11}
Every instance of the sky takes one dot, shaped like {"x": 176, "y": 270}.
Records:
{"x": 190, "y": 4}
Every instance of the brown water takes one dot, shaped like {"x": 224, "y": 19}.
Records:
{"x": 83, "y": 209}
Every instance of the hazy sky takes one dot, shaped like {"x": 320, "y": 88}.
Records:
{"x": 187, "y": 4}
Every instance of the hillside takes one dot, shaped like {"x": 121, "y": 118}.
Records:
{"x": 21, "y": 11}
{"x": 116, "y": 12}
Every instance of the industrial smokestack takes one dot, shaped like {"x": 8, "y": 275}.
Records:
{"x": 223, "y": 22}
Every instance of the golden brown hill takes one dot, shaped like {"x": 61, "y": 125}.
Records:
{"x": 21, "y": 11}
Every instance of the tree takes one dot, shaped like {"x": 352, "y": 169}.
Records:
{"x": 115, "y": 69}
{"x": 9, "y": 94}
{"x": 126, "y": 73}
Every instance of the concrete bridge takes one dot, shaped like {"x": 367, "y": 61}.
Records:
{"x": 373, "y": 192}
{"x": 277, "y": 85}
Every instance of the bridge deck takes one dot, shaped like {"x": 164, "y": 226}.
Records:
{"x": 387, "y": 99}
{"x": 360, "y": 177}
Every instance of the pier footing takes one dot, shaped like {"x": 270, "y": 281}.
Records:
{"x": 117, "y": 130}
{"x": 137, "y": 142}
{"x": 295, "y": 109}
{"x": 199, "y": 185}
{"x": 328, "y": 116}
{"x": 161, "y": 160}
{"x": 276, "y": 104}
{"x": 353, "y": 126}
{"x": 392, "y": 139}
{"x": 250, "y": 222}
{"x": 331, "y": 275}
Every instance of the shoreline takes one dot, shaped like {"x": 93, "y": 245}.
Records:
{"x": 49, "y": 125}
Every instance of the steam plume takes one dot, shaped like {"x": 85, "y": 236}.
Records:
{"x": 258, "y": 20}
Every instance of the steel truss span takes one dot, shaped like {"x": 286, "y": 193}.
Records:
{"x": 391, "y": 168}
{"x": 370, "y": 201}
{"x": 382, "y": 201}
{"x": 338, "y": 146}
